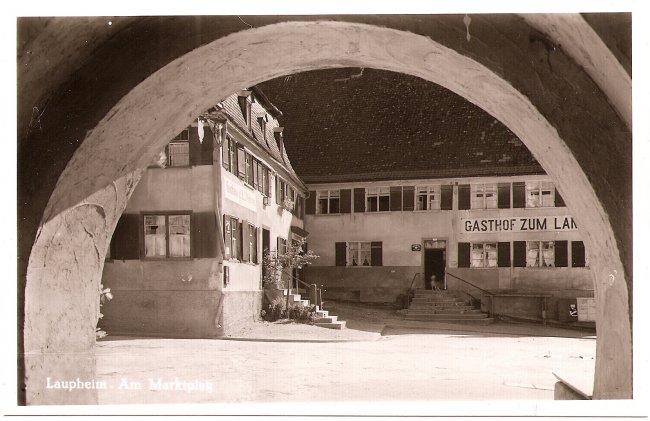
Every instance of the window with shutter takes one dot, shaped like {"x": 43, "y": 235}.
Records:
{"x": 346, "y": 201}
{"x": 396, "y": 198}
{"x": 408, "y": 198}
{"x": 464, "y": 197}
{"x": 504, "y": 195}
{"x": 503, "y": 254}
{"x": 464, "y": 255}
{"x": 519, "y": 254}
{"x": 311, "y": 203}
{"x": 340, "y": 253}
{"x": 561, "y": 254}
{"x": 519, "y": 194}
{"x": 376, "y": 254}
{"x": 126, "y": 238}
{"x": 559, "y": 201}
{"x": 578, "y": 255}
{"x": 227, "y": 236}
{"x": 359, "y": 200}
{"x": 446, "y": 197}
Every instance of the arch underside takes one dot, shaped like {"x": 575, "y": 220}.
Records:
{"x": 92, "y": 191}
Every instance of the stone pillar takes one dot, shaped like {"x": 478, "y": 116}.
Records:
{"x": 62, "y": 295}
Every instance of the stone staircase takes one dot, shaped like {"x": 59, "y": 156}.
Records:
{"x": 323, "y": 318}
{"x": 444, "y": 306}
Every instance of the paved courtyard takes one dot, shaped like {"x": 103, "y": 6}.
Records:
{"x": 407, "y": 362}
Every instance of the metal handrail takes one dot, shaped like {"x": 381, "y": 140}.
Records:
{"x": 414, "y": 276}
{"x": 491, "y": 311}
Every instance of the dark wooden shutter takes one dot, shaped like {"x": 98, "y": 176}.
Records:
{"x": 234, "y": 164}
{"x": 278, "y": 191}
{"x": 519, "y": 254}
{"x": 245, "y": 239}
{"x": 503, "y": 254}
{"x": 446, "y": 197}
{"x": 409, "y": 198}
{"x": 126, "y": 238}
{"x": 396, "y": 198}
{"x": 559, "y": 201}
{"x": 227, "y": 236}
{"x": 311, "y": 203}
{"x": 204, "y": 234}
{"x": 578, "y": 259}
{"x": 225, "y": 155}
{"x": 359, "y": 200}
{"x": 346, "y": 201}
{"x": 201, "y": 152}
{"x": 463, "y": 255}
{"x": 561, "y": 254}
{"x": 519, "y": 195}
{"x": 464, "y": 197}
{"x": 504, "y": 195}
{"x": 340, "y": 251}
{"x": 376, "y": 258}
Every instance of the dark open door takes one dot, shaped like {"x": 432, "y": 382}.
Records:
{"x": 435, "y": 261}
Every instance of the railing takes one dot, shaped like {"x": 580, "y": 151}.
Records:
{"x": 315, "y": 293}
{"x": 411, "y": 287}
{"x": 491, "y": 295}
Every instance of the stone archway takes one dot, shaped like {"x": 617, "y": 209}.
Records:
{"x": 66, "y": 259}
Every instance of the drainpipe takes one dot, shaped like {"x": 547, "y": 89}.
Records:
{"x": 218, "y": 128}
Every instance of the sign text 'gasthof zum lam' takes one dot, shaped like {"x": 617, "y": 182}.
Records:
{"x": 519, "y": 224}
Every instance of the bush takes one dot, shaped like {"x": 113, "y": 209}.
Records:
{"x": 278, "y": 310}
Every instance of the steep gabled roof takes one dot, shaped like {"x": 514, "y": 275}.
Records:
{"x": 355, "y": 124}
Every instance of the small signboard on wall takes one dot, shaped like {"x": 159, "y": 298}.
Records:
{"x": 416, "y": 247}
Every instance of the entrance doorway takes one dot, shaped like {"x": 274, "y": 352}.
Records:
{"x": 435, "y": 262}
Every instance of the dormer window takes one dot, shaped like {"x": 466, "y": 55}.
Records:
{"x": 279, "y": 140}
{"x": 244, "y": 98}
{"x": 262, "y": 122}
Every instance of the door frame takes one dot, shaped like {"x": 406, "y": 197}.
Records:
{"x": 422, "y": 258}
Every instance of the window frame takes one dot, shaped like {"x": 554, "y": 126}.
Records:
{"x": 485, "y": 257}
{"x": 170, "y": 160}
{"x": 541, "y": 259}
{"x": 368, "y": 249}
{"x": 542, "y": 186}
{"x": 431, "y": 190}
{"x": 370, "y": 194}
{"x": 328, "y": 200}
{"x": 166, "y": 214}
{"x": 484, "y": 189}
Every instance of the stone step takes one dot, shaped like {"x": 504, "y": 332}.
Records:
{"x": 322, "y": 313}
{"x": 481, "y": 322}
{"x": 446, "y": 316}
{"x": 445, "y": 311}
{"x": 336, "y": 325}
{"x": 434, "y": 307}
{"x": 326, "y": 319}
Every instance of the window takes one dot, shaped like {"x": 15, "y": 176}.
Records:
{"x": 377, "y": 199}
{"x": 539, "y": 194}
{"x": 484, "y": 255}
{"x": 178, "y": 150}
{"x": 161, "y": 241}
{"x": 266, "y": 182}
{"x": 249, "y": 168}
{"x": 232, "y": 235}
{"x": 428, "y": 198}
{"x": 245, "y": 107}
{"x": 484, "y": 196}
{"x": 282, "y": 245}
{"x": 540, "y": 254}
{"x": 363, "y": 253}
{"x": 252, "y": 243}
{"x": 241, "y": 162}
{"x": 259, "y": 177}
{"x": 262, "y": 122}
{"x": 329, "y": 201}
